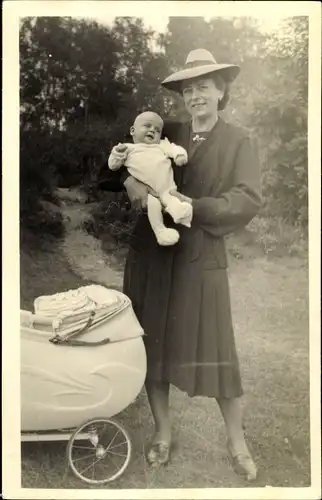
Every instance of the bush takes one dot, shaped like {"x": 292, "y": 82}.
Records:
{"x": 276, "y": 237}
{"x": 43, "y": 222}
{"x": 279, "y": 120}
{"x": 113, "y": 220}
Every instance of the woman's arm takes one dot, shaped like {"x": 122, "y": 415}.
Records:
{"x": 239, "y": 205}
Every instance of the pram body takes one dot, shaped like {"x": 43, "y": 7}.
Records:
{"x": 66, "y": 384}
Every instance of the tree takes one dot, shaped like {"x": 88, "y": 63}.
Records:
{"x": 65, "y": 67}
{"x": 141, "y": 68}
{"x": 66, "y": 63}
{"x": 280, "y": 117}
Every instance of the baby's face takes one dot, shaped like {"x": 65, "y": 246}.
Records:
{"x": 147, "y": 128}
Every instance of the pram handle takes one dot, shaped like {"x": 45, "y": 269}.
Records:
{"x": 70, "y": 341}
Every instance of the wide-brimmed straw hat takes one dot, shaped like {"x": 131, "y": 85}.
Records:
{"x": 198, "y": 63}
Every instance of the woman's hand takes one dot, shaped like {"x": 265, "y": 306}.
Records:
{"x": 138, "y": 193}
{"x": 181, "y": 197}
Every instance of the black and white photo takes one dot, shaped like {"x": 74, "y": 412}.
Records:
{"x": 166, "y": 160}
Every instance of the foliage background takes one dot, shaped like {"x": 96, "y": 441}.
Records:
{"x": 81, "y": 84}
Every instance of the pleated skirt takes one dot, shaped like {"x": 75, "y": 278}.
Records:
{"x": 185, "y": 312}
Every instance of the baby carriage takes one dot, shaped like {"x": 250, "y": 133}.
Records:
{"x": 82, "y": 362}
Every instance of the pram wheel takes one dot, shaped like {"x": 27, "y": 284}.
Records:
{"x": 99, "y": 451}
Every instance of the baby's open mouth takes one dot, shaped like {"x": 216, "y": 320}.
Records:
{"x": 150, "y": 135}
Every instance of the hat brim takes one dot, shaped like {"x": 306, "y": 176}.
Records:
{"x": 228, "y": 72}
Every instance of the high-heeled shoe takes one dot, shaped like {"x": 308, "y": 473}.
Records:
{"x": 159, "y": 454}
{"x": 243, "y": 464}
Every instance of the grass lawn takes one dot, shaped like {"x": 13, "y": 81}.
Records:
{"x": 270, "y": 308}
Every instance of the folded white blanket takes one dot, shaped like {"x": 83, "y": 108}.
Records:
{"x": 72, "y": 309}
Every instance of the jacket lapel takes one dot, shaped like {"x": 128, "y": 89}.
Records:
{"x": 192, "y": 178}
{"x": 210, "y": 141}
{"x": 203, "y": 168}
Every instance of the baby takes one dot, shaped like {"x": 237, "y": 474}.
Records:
{"x": 148, "y": 161}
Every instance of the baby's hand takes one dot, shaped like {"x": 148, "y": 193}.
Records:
{"x": 120, "y": 148}
{"x": 181, "y": 160}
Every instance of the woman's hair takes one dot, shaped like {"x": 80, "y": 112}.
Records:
{"x": 224, "y": 86}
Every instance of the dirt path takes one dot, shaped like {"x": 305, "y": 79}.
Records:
{"x": 82, "y": 251}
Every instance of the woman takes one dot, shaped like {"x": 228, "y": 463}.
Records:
{"x": 181, "y": 293}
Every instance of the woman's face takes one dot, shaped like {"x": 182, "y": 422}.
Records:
{"x": 201, "y": 97}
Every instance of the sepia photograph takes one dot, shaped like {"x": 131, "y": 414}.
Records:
{"x": 165, "y": 334}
